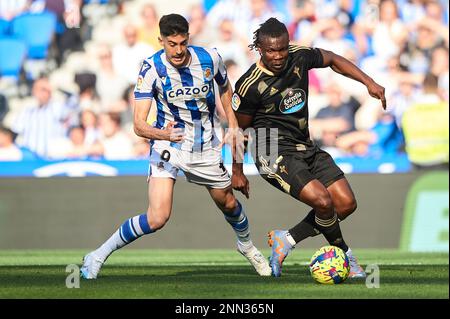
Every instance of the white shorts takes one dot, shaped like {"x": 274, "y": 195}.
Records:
{"x": 205, "y": 168}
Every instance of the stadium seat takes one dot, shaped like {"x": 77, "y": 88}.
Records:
{"x": 4, "y": 27}
{"x": 37, "y": 31}
{"x": 12, "y": 55}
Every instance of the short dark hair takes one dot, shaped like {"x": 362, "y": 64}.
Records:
{"x": 430, "y": 82}
{"x": 7, "y": 131}
{"x": 272, "y": 28}
{"x": 172, "y": 24}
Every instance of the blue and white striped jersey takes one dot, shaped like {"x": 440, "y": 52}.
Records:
{"x": 38, "y": 126}
{"x": 185, "y": 95}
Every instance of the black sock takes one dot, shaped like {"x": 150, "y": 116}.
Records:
{"x": 306, "y": 228}
{"x": 332, "y": 231}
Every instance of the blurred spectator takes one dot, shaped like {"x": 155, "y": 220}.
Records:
{"x": 402, "y": 99}
{"x": 396, "y": 42}
{"x": 303, "y": 17}
{"x": 109, "y": 84}
{"x": 149, "y": 31}
{"x": 339, "y": 9}
{"x": 379, "y": 31}
{"x": 439, "y": 67}
{"x": 390, "y": 72}
{"x": 3, "y": 107}
{"x": 9, "y": 9}
{"x": 389, "y": 34}
{"x": 41, "y": 121}
{"x": 128, "y": 56}
{"x": 141, "y": 149}
{"x": 200, "y": 32}
{"x": 228, "y": 45}
{"x": 234, "y": 71}
{"x": 126, "y": 112}
{"x": 412, "y": 11}
{"x": 258, "y": 12}
{"x": 366, "y": 21}
{"x": 383, "y": 138}
{"x": 428, "y": 34}
{"x": 87, "y": 95}
{"x": 71, "y": 147}
{"x": 335, "y": 119}
{"x": 331, "y": 36}
{"x": 88, "y": 120}
{"x": 114, "y": 143}
{"x": 233, "y": 10}
{"x": 435, "y": 19}
{"x": 69, "y": 20}
{"x": 9, "y": 151}
{"x": 426, "y": 128}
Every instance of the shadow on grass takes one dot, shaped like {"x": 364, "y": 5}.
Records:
{"x": 15, "y": 276}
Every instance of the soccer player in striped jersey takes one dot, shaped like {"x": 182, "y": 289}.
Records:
{"x": 180, "y": 80}
{"x": 273, "y": 94}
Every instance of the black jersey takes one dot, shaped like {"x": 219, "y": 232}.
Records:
{"x": 280, "y": 101}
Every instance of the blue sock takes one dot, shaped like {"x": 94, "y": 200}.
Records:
{"x": 134, "y": 228}
{"x": 128, "y": 232}
{"x": 238, "y": 220}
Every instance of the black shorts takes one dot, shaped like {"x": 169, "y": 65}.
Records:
{"x": 291, "y": 172}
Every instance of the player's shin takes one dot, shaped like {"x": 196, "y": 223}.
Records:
{"x": 306, "y": 228}
{"x": 239, "y": 222}
{"x": 128, "y": 232}
{"x": 332, "y": 231}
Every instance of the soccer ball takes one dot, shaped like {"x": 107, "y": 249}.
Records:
{"x": 329, "y": 265}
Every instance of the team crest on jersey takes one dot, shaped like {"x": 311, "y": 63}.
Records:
{"x": 208, "y": 74}
{"x": 293, "y": 101}
{"x": 235, "y": 102}
{"x": 139, "y": 82}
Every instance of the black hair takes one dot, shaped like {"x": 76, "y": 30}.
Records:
{"x": 172, "y": 24}
{"x": 73, "y": 127}
{"x": 7, "y": 131}
{"x": 272, "y": 28}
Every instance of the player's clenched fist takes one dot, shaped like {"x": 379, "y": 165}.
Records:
{"x": 174, "y": 134}
{"x": 240, "y": 183}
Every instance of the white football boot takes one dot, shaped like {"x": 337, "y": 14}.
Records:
{"x": 356, "y": 271}
{"x": 258, "y": 261}
{"x": 91, "y": 266}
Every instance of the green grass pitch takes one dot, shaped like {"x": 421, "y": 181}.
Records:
{"x": 215, "y": 274}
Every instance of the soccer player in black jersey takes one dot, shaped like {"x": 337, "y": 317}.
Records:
{"x": 273, "y": 94}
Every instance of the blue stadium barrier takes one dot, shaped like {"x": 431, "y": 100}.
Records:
{"x": 394, "y": 163}
{"x": 37, "y": 31}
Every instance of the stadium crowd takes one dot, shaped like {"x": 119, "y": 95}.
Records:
{"x": 75, "y": 100}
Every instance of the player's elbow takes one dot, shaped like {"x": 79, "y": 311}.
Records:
{"x": 138, "y": 129}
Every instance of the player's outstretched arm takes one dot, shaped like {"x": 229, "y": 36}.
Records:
{"x": 226, "y": 92}
{"x": 143, "y": 129}
{"x": 239, "y": 181}
{"x": 343, "y": 66}
{"x": 235, "y": 138}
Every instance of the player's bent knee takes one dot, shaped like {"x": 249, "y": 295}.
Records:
{"x": 230, "y": 205}
{"x": 323, "y": 205}
{"x": 346, "y": 209}
{"x": 157, "y": 220}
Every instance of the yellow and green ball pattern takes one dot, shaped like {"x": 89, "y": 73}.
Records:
{"x": 329, "y": 265}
